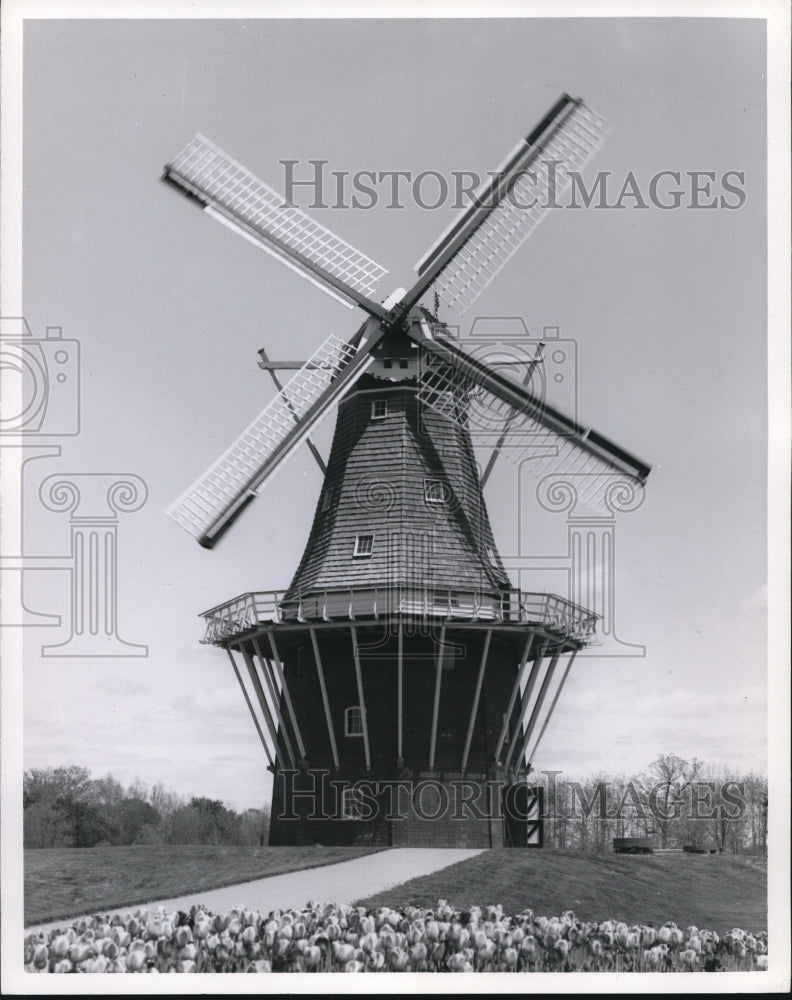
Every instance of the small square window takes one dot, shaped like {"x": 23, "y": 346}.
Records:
{"x": 364, "y": 545}
{"x": 436, "y": 491}
{"x": 388, "y": 362}
{"x": 328, "y": 499}
{"x": 351, "y": 804}
{"x": 403, "y": 363}
{"x": 449, "y": 661}
{"x": 353, "y": 721}
{"x": 379, "y": 409}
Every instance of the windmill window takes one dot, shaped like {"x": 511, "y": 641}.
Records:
{"x": 388, "y": 362}
{"x": 379, "y": 409}
{"x": 328, "y": 499}
{"x": 436, "y": 491}
{"x": 449, "y": 661}
{"x": 364, "y": 545}
{"x": 491, "y": 556}
{"x": 353, "y": 721}
{"x": 403, "y": 363}
{"x": 351, "y": 804}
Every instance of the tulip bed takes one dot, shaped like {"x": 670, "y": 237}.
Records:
{"x": 335, "y": 938}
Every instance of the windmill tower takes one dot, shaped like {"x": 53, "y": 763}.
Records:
{"x": 400, "y": 685}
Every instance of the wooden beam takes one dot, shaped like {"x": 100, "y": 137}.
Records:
{"x": 253, "y": 713}
{"x": 339, "y": 386}
{"x": 510, "y": 419}
{"x": 488, "y": 197}
{"x": 538, "y": 706}
{"x": 268, "y": 718}
{"x": 325, "y": 702}
{"x": 275, "y": 695}
{"x": 476, "y": 697}
{"x": 553, "y": 704}
{"x": 265, "y": 363}
{"x": 273, "y": 729}
{"x": 526, "y": 697}
{"x": 400, "y": 693}
{"x": 533, "y": 406}
{"x": 271, "y": 243}
{"x": 436, "y": 706}
{"x": 515, "y": 691}
{"x": 359, "y": 676}
{"x": 285, "y": 688}
{"x": 268, "y": 365}
{"x": 444, "y": 251}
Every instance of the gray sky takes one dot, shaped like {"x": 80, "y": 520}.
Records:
{"x": 668, "y": 310}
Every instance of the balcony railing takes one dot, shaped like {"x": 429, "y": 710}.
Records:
{"x": 248, "y": 611}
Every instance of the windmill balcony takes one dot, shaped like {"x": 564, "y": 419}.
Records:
{"x": 241, "y": 615}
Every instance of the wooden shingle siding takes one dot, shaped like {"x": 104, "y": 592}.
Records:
{"x": 376, "y": 472}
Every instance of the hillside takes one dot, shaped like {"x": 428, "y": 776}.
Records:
{"x": 714, "y": 891}
{"x": 66, "y": 882}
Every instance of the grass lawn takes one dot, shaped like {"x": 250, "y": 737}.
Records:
{"x": 67, "y": 882}
{"x": 713, "y": 891}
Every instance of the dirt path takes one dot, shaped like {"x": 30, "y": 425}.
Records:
{"x": 340, "y": 883}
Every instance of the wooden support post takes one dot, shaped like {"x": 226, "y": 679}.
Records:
{"x": 476, "y": 697}
{"x": 526, "y": 697}
{"x": 436, "y": 706}
{"x": 538, "y": 706}
{"x": 273, "y": 730}
{"x": 400, "y": 694}
{"x": 359, "y": 676}
{"x": 510, "y": 419}
{"x": 275, "y": 695}
{"x": 253, "y": 714}
{"x": 550, "y": 711}
{"x": 265, "y": 363}
{"x": 285, "y": 688}
{"x": 515, "y": 691}
{"x": 325, "y": 702}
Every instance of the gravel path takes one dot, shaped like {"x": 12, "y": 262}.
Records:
{"x": 339, "y": 883}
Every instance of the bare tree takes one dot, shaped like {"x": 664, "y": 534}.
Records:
{"x": 664, "y": 784}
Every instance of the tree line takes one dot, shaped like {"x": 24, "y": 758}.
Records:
{"x": 66, "y": 807}
{"x": 673, "y": 803}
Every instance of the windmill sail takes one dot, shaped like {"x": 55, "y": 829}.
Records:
{"x": 214, "y": 501}
{"x": 458, "y": 268}
{"x": 558, "y": 444}
{"x": 234, "y": 196}
{"x": 508, "y": 209}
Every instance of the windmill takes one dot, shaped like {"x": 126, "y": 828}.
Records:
{"x": 400, "y": 584}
